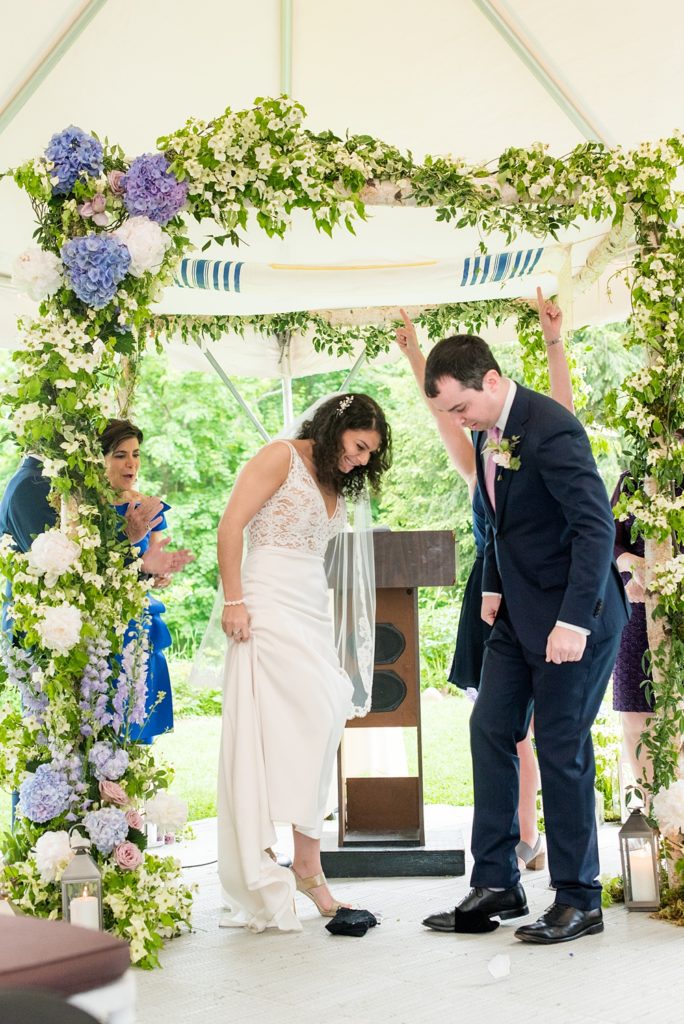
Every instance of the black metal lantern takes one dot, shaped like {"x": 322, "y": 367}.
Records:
{"x": 640, "y": 863}
{"x": 82, "y": 887}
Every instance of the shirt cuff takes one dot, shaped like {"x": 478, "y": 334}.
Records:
{"x": 490, "y": 593}
{"x": 575, "y": 629}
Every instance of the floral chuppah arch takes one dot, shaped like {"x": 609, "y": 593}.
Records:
{"x": 110, "y": 235}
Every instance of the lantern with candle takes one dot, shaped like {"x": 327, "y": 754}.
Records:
{"x": 82, "y": 887}
{"x": 640, "y": 863}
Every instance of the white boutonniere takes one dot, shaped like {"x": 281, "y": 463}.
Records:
{"x": 503, "y": 452}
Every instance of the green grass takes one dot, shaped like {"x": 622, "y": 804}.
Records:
{"x": 192, "y": 748}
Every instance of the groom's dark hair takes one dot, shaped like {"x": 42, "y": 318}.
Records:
{"x": 465, "y": 357}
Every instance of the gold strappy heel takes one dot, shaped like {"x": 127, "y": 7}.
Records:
{"x": 305, "y": 885}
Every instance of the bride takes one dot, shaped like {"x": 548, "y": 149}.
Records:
{"x": 286, "y": 694}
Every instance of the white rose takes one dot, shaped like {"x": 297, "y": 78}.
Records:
{"x": 146, "y": 243}
{"x": 53, "y": 853}
{"x": 60, "y": 627}
{"x": 52, "y": 553}
{"x": 169, "y": 813}
{"x": 668, "y": 807}
{"x": 502, "y": 459}
{"x": 37, "y": 273}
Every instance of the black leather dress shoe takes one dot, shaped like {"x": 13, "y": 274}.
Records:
{"x": 561, "y": 923}
{"x": 504, "y": 905}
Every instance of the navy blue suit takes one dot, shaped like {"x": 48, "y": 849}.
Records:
{"x": 549, "y": 553}
{"x": 25, "y": 511}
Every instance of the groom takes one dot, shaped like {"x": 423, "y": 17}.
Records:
{"x": 557, "y": 605}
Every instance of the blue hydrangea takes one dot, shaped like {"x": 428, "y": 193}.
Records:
{"x": 152, "y": 190}
{"x": 108, "y": 762}
{"x": 75, "y": 155}
{"x": 94, "y": 266}
{"x": 44, "y": 795}
{"x": 107, "y": 828}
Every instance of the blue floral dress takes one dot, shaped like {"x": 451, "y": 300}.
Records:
{"x": 160, "y": 719}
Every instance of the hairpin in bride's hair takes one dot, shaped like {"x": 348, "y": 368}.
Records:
{"x": 344, "y": 403}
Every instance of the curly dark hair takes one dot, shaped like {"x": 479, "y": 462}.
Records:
{"x": 325, "y": 429}
{"x": 117, "y": 431}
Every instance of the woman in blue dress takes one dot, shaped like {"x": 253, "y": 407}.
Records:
{"x": 473, "y": 631}
{"x": 121, "y": 442}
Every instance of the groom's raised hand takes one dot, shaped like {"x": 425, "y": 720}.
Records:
{"x": 565, "y": 645}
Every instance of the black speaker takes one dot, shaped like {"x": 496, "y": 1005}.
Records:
{"x": 390, "y": 643}
{"x": 389, "y": 691}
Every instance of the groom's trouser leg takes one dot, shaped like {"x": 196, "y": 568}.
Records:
{"x": 499, "y": 720}
{"x": 567, "y": 698}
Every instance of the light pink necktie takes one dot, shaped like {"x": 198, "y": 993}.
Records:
{"x": 490, "y": 466}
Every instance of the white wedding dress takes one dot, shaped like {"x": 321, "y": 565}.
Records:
{"x": 285, "y": 702}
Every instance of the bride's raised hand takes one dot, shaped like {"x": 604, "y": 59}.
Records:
{"x": 406, "y": 337}
{"x": 235, "y": 623}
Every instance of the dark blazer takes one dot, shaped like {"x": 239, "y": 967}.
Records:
{"x": 24, "y": 509}
{"x": 549, "y": 548}
{"x": 24, "y": 513}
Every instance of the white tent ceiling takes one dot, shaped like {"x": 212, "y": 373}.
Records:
{"x": 467, "y": 77}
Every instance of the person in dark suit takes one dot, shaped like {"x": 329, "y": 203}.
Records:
{"x": 557, "y": 605}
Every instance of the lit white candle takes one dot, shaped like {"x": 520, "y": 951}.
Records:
{"x": 83, "y": 911}
{"x": 641, "y": 873}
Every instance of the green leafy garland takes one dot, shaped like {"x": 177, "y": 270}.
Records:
{"x": 263, "y": 163}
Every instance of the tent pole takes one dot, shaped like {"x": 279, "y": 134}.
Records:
{"x": 237, "y": 396}
{"x": 47, "y": 60}
{"x": 512, "y": 31}
{"x": 288, "y": 410}
{"x": 286, "y": 47}
{"x": 352, "y": 373}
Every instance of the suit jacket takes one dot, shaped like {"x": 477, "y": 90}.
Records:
{"x": 24, "y": 513}
{"x": 549, "y": 548}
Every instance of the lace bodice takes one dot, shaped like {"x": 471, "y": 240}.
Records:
{"x": 295, "y": 516}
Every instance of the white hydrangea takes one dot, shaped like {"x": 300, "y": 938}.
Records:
{"x": 146, "y": 243}
{"x": 668, "y": 808}
{"x": 52, "y": 553}
{"x": 168, "y": 812}
{"x": 37, "y": 273}
{"x": 53, "y": 854}
{"x": 59, "y": 626}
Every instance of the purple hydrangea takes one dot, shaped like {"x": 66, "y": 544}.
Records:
{"x": 44, "y": 795}
{"x": 94, "y": 266}
{"x": 107, "y": 828}
{"x": 152, "y": 190}
{"x": 75, "y": 154}
{"x": 108, "y": 762}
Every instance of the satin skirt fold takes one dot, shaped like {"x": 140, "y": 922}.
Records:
{"x": 285, "y": 702}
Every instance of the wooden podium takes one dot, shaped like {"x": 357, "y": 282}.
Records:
{"x": 379, "y": 811}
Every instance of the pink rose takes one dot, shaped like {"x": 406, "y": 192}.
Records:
{"x": 134, "y": 820}
{"x": 114, "y": 178}
{"x": 113, "y": 793}
{"x": 95, "y": 210}
{"x": 128, "y": 856}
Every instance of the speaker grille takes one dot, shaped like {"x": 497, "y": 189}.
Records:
{"x": 389, "y": 691}
{"x": 390, "y": 643}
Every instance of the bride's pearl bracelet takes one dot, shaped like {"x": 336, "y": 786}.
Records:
{"x": 227, "y": 603}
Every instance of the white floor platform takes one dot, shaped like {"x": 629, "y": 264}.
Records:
{"x": 401, "y": 973}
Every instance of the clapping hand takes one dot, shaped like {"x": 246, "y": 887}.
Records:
{"x": 406, "y": 337}
{"x": 550, "y": 318}
{"x": 141, "y": 517}
{"x": 159, "y": 562}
